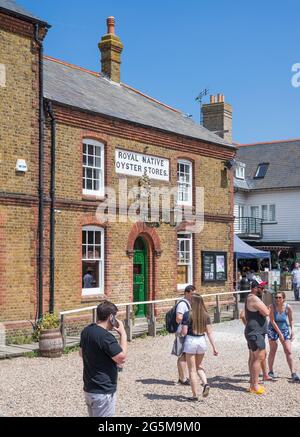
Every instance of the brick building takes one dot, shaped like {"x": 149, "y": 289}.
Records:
{"x": 65, "y": 135}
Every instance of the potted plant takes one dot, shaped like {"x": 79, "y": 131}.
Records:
{"x": 49, "y": 336}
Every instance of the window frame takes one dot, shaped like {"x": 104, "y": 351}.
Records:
{"x": 189, "y": 202}
{"x": 191, "y": 264}
{"x": 240, "y": 168}
{"x": 214, "y": 254}
{"x": 258, "y": 208}
{"x": 96, "y": 290}
{"x": 269, "y": 220}
{"x": 85, "y": 191}
{"x": 269, "y": 215}
{"x": 256, "y": 176}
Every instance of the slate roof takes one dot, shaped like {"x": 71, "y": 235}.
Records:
{"x": 241, "y": 184}
{"x": 79, "y": 88}
{"x": 284, "y": 164}
{"x": 12, "y": 7}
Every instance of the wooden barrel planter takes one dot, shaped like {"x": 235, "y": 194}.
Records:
{"x": 51, "y": 343}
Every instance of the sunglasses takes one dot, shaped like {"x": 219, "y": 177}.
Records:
{"x": 278, "y": 297}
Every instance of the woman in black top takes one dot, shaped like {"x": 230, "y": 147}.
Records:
{"x": 195, "y": 325}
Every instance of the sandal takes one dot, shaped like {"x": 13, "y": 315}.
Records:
{"x": 259, "y": 391}
{"x": 206, "y": 391}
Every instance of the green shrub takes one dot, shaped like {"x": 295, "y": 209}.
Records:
{"x": 32, "y": 354}
{"x": 162, "y": 332}
{"x": 71, "y": 349}
{"x": 49, "y": 321}
{"x": 19, "y": 338}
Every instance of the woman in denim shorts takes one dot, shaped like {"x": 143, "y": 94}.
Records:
{"x": 195, "y": 325}
{"x": 281, "y": 320}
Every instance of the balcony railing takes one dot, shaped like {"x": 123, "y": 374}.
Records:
{"x": 249, "y": 227}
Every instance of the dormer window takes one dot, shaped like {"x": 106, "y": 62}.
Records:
{"x": 261, "y": 170}
{"x": 240, "y": 170}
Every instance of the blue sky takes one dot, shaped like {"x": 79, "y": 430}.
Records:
{"x": 173, "y": 49}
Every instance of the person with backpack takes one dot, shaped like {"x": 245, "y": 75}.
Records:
{"x": 183, "y": 307}
{"x": 281, "y": 328}
{"x": 196, "y": 324}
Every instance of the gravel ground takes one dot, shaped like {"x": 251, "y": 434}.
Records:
{"x": 43, "y": 387}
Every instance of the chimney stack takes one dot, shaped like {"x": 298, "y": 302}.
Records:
{"x": 217, "y": 117}
{"x": 111, "y": 48}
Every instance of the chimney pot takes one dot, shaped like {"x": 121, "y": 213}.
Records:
{"x": 111, "y": 25}
{"x": 111, "y": 48}
{"x": 218, "y": 118}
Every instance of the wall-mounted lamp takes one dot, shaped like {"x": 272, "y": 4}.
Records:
{"x": 230, "y": 164}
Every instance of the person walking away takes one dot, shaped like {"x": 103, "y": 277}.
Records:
{"x": 296, "y": 280}
{"x": 196, "y": 324}
{"x": 256, "y": 313}
{"x": 101, "y": 354}
{"x": 182, "y": 308}
{"x": 280, "y": 314}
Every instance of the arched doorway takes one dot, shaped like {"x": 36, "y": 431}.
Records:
{"x": 140, "y": 276}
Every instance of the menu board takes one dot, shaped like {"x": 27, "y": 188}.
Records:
{"x": 220, "y": 268}
{"x": 209, "y": 267}
{"x": 214, "y": 266}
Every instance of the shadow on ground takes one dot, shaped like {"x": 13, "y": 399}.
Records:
{"x": 152, "y": 381}
{"x": 179, "y": 398}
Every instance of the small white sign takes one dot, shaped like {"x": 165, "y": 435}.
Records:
{"x": 21, "y": 166}
{"x": 137, "y": 164}
{"x": 2, "y": 76}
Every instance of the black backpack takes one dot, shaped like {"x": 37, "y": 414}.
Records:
{"x": 171, "y": 324}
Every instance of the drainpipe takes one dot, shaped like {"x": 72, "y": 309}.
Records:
{"x": 52, "y": 208}
{"x": 39, "y": 41}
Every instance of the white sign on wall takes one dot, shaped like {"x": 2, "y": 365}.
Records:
{"x": 137, "y": 164}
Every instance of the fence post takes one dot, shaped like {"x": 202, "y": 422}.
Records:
{"x": 63, "y": 329}
{"x": 217, "y": 314}
{"x": 152, "y": 322}
{"x": 128, "y": 323}
{"x": 236, "y": 312}
{"x": 94, "y": 315}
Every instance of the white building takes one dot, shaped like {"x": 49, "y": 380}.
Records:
{"x": 267, "y": 197}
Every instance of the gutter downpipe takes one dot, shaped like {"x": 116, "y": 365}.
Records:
{"x": 39, "y": 41}
{"x": 52, "y": 208}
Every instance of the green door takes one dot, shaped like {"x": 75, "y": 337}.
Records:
{"x": 140, "y": 277}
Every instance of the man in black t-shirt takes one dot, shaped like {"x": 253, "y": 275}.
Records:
{"x": 101, "y": 354}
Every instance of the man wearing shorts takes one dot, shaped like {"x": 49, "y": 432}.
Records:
{"x": 256, "y": 313}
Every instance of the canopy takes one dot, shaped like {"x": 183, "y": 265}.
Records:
{"x": 243, "y": 250}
